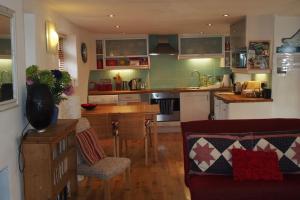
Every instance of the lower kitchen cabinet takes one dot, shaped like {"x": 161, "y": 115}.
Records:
{"x": 103, "y": 99}
{"x": 194, "y": 106}
{"x": 251, "y": 110}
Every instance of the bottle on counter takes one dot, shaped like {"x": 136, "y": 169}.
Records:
{"x": 118, "y": 82}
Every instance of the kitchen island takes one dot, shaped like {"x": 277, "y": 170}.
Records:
{"x": 228, "y": 105}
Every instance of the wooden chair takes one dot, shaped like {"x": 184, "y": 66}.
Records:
{"x": 106, "y": 168}
{"x": 132, "y": 126}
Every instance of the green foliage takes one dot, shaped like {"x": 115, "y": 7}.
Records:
{"x": 59, "y": 82}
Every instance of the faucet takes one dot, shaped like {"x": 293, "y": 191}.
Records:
{"x": 204, "y": 80}
{"x": 199, "y": 77}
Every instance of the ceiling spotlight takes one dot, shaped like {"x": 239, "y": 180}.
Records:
{"x": 209, "y": 24}
{"x": 111, "y": 15}
{"x": 225, "y": 15}
{"x": 117, "y": 26}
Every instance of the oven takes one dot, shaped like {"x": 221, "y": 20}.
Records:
{"x": 169, "y": 104}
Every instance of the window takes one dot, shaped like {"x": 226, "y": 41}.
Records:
{"x": 61, "y": 61}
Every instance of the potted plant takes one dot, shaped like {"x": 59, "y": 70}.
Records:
{"x": 58, "y": 82}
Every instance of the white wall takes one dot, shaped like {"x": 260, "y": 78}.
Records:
{"x": 12, "y": 121}
{"x": 285, "y": 89}
{"x": 39, "y": 12}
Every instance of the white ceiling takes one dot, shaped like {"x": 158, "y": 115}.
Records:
{"x": 167, "y": 16}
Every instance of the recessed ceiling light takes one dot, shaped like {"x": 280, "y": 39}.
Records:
{"x": 117, "y": 26}
{"x": 209, "y": 24}
{"x": 225, "y": 15}
{"x": 111, "y": 15}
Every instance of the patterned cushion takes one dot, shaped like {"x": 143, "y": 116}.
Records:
{"x": 211, "y": 154}
{"x": 286, "y": 146}
{"x": 105, "y": 168}
{"x": 90, "y": 149}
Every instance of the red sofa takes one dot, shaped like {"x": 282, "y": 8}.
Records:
{"x": 214, "y": 187}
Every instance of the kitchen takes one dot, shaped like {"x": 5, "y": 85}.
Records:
{"x": 266, "y": 21}
{"x": 196, "y": 75}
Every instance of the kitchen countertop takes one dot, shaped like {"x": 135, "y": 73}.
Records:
{"x": 186, "y": 89}
{"x": 229, "y": 97}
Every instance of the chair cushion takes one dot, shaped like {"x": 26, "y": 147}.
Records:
{"x": 90, "y": 148}
{"x": 255, "y": 165}
{"x": 105, "y": 168}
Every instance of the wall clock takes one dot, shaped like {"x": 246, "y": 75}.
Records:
{"x": 83, "y": 52}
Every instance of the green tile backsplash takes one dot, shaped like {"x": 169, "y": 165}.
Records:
{"x": 168, "y": 72}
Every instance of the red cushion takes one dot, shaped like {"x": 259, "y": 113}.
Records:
{"x": 90, "y": 148}
{"x": 255, "y": 165}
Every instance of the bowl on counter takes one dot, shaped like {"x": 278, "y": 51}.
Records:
{"x": 88, "y": 106}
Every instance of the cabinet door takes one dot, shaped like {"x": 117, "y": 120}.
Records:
{"x": 201, "y": 45}
{"x": 126, "y": 47}
{"x": 223, "y": 110}
{"x": 129, "y": 98}
{"x": 217, "y": 110}
{"x": 194, "y": 106}
{"x": 238, "y": 35}
{"x": 103, "y": 99}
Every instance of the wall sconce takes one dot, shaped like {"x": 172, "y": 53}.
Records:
{"x": 51, "y": 37}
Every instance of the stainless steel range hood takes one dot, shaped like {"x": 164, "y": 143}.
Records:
{"x": 163, "y": 47}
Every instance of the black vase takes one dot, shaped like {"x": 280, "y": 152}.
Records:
{"x": 39, "y": 106}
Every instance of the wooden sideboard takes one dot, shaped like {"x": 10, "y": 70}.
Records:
{"x": 50, "y": 161}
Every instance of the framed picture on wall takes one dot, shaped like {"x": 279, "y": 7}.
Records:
{"x": 259, "y": 55}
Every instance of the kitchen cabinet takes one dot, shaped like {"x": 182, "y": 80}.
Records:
{"x": 227, "y": 56}
{"x": 103, "y": 99}
{"x": 220, "y": 109}
{"x": 194, "y": 106}
{"x": 124, "y": 53}
{"x": 129, "y": 98}
{"x": 252, "y": 110}
{"x": 195, "y": 46}
{"x": 99, "y": 54}
{"x": 251, "y": 29}
{"x": 238, "y": 35}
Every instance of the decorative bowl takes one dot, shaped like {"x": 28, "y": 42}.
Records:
{"x": 88, "y": 106}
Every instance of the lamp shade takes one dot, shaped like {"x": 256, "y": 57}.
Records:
{"x": 51, "y": 37}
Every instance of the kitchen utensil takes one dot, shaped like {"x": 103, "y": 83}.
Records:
{"x": 253, "y": 85}
{"x": 124, "y": 85}
{"x": 266, "y": 93}
{"x": 88, "y": 106}
{"x": 226, "y": 81}
{"x": 237, "y": 88}
{"x": 133, "y": 84}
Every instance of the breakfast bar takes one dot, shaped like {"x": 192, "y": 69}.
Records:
{"x": 109, "y": 111}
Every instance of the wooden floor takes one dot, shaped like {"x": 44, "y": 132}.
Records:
{"x": 157, "y": 181}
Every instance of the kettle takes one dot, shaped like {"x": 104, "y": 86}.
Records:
{"x": 133, "y": 84}
{"x": 226, "y": 81}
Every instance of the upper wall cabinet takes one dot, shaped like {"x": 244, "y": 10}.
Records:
{"x": 238, "y": 35}
{"x": 195, "y": 46}
{"x": 127, "y": 53}
{"x": 250, "y": 41}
